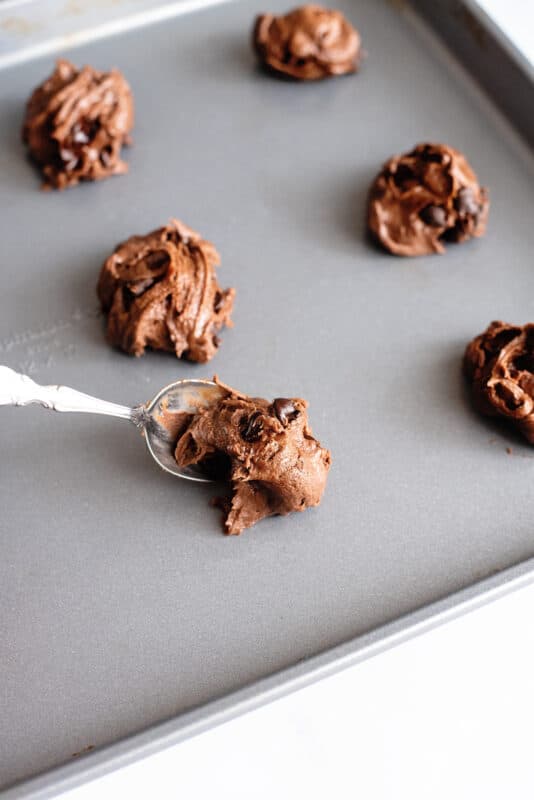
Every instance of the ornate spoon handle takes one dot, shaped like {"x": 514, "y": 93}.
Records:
{"x": 20, "y": 390}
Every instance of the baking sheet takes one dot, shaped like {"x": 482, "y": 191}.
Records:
{"x": 122, "y": 604}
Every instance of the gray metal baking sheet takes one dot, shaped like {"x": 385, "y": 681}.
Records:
{"x": 121, "y": 604}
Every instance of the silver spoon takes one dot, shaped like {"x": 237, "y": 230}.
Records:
{"x": 154, "y": 418}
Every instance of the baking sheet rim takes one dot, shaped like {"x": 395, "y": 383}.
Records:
{"x": 216, "y": 712}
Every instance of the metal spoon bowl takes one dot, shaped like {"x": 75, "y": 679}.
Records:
{"x": 158, "y": 418}
{"x": 179, "y": 398}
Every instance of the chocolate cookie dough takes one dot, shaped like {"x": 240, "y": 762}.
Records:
{"x": 76, "y": 124}
{"x": 272, "y": 461}
{"x": 161, "y": 291}
{"x": 424, "y": 198}
{"x": 308, "y": 43}
{"x": 499, "y": 365}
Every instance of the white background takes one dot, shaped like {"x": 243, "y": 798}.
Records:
{"x": 516, "y": 18}
{"x": 447, "y": 716}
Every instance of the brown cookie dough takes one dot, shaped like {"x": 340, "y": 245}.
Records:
{"x": 426, "y": 197}
{"x": 308, "y": 43}
{"x": 499, "y": 365}
{"x": 272, "y": 460}
{"x": 76, "y": 124}
{"x": 161, "y": 291}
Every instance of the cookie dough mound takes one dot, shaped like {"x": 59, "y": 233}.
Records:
{"x": 308, "y": 43}
{"x": 273, "y": 462}
{"x": 161, "y": 291}
{"x": 76, "y": 124}
{"x": 499, "y": 365}
{"x": 426, "y": 197}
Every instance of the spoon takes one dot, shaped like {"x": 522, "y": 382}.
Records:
{"x": 156, "y": 418}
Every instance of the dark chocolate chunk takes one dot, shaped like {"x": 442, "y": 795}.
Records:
{"x": 251, "y": 427}
{"x": 465, "y": 202}
{"x": 436, "y": 216}
{"x": 525, "y": 363}
{"x": 404, "y": 175}
{"x": 429, "y": 155}
{"x": 127, "y": 298}
{"x": 285, "y": 410}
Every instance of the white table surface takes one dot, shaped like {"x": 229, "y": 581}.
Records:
{"x": 447, "y": 715}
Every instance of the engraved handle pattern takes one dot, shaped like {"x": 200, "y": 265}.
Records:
{"x": 20, "y": 390}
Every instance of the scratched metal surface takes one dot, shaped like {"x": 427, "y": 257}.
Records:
{"x": 121, "y": 602}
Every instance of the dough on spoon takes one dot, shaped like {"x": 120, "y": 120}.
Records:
{"x": 76, "y": 124}
{"x": 160, "y": 291}
{"x": 265, "y": 450}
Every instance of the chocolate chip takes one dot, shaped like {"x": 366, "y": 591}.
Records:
{"x": 404, "y": 175}
{"x": 505, "y": 393}
{"x": 127, "y": 298}
{"x": 285, "y": 410}
{"x": 465, "y": 202}
{"x": 251, "y": 427}
{"x": 217, "y": 302}
{"x": 525, "y": 362}
{"x": 429, "y": 155}
{"x": 455, "y": 233}
{"x": 217, "y": 466}
{"x": 436, "y": 216}
{"x": 494, "y": 344}
{"x": 216, "y": 341}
